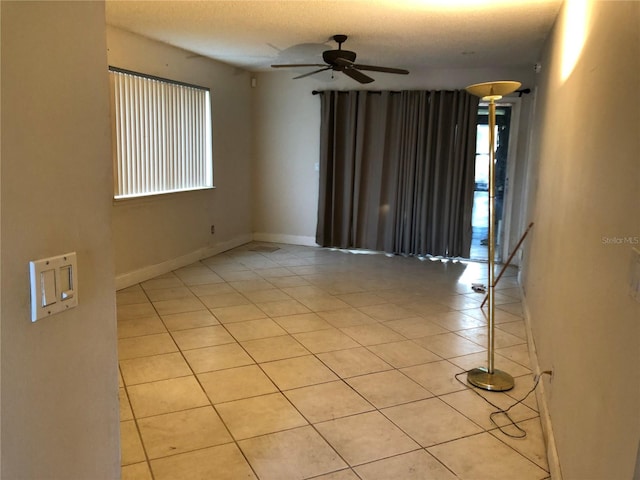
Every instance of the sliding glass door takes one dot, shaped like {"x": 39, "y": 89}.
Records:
{"x": 480, "y": 216}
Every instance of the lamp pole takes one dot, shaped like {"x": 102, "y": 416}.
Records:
{"x": 490, "y": 378}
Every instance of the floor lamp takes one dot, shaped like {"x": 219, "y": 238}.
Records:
{"x": 490, "y": 378}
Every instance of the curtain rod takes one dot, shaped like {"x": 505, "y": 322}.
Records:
{"x": 317, "y": 92}
{"x": 520, "y": 92}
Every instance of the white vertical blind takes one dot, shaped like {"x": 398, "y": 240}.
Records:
{"x": 162, "y": 136}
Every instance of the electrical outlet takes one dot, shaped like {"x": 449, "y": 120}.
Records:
{"x": 542, "y": 374}
{"x": 213, "y": 229}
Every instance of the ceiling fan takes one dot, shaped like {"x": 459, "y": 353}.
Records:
{"x": 343, "y": 61}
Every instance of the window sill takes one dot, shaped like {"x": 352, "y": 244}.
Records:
{"x": 158, "y": 197}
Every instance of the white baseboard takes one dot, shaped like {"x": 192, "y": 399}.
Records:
{"x": 545, "y": 417}
{"x": 288, "y": 239}
{"x": 146, "y": 273}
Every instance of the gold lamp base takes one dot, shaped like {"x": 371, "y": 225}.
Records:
{"x": 498, "y": 381}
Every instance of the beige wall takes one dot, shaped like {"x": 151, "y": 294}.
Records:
{"x": 265, "y": 154}
{"x": 59, "y": 375}
{"x": 157, "y": 234}
{"x": 287, "y": 145}
{"x": 59, "y": 409}
{"x": 584, "y": 186}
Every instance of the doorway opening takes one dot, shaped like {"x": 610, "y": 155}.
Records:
{"x": 480, "y": 212}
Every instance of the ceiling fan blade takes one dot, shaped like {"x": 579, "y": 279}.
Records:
{"x": 357, "y": 75}
{"x": 343, "y": 62}
{"x": 312, "y": 73}
{"x": 348, "y": 68}
{"x": 292, "y": 65}
{"x": 373, "y": 68}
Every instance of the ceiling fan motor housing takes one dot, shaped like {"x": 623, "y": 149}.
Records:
{"x": 330, "y": 56}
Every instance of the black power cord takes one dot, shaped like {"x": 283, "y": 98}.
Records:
{"x": 505, "y": 411}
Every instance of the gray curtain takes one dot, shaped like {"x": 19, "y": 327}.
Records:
{"x": 397, "y": 171}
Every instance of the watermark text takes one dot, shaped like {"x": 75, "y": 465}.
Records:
{"x": 620, "y": 240}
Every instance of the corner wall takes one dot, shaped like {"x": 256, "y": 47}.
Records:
{"x": 584, "y": 189}
{"x": 287, "y": 137}
{"x": 153, "y": 235}
{"x": 59, "y": 380}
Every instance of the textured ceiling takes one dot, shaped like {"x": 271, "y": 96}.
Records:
{"x": 412, "y": 34}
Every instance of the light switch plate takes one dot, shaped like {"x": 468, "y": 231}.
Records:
{"x": 54, "y": 285}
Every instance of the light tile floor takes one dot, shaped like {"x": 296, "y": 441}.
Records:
{"x": 287, "y": 362}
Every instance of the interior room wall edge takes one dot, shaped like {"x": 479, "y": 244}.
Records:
{"x": 545, "y": 417}
{"x": 583, "y": 192}
{"x": 59, "y": 378}
{"x": 139, "y": 275}
{"x": 304, "y": 240}
{"x": 151, "y": 234}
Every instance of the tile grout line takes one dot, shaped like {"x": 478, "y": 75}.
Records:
{"x": 197, "y": 379}
{"x": 315, "y": 355}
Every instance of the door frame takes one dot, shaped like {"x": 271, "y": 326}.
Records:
{"x": 512, "y": 158}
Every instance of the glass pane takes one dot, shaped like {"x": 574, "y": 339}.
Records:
{"x": 482, "y": 139}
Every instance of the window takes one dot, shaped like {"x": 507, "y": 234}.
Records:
{"x": 162, "y": 135}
